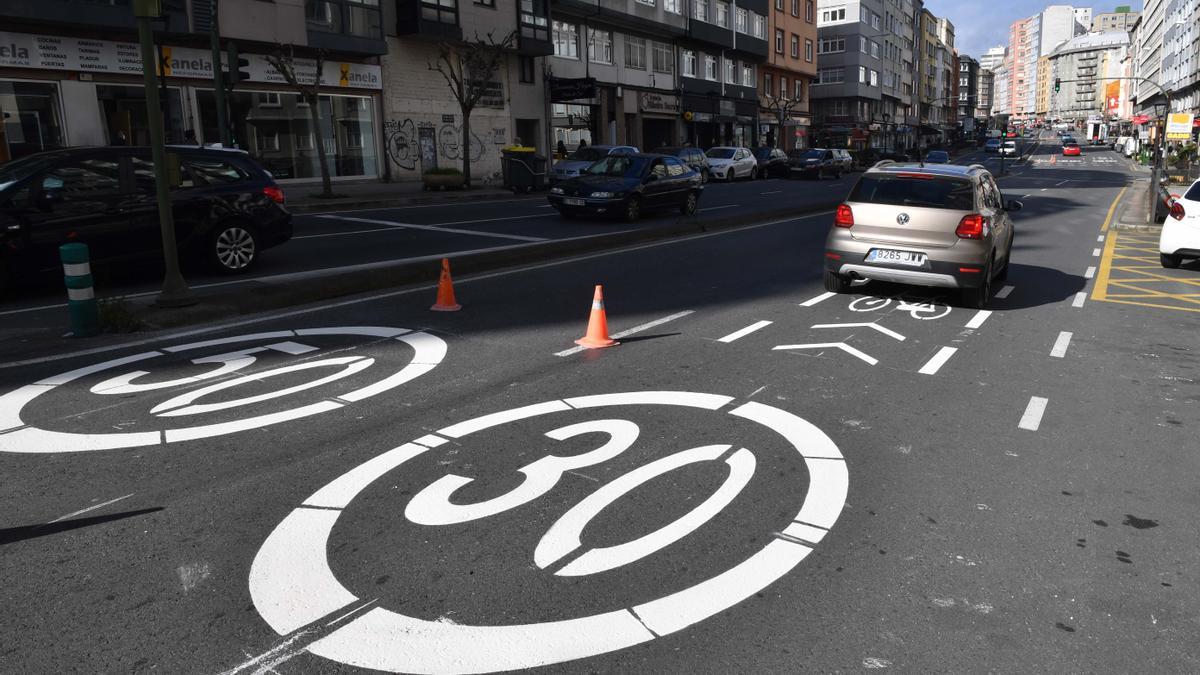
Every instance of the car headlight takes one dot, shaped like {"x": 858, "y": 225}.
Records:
{"x": 556, "y": 191}
{"x": 604, "y": 195}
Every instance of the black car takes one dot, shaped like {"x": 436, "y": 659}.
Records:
{"x": 693, "y": 157}
{"x": 814, "y": 163}
{"x": 227, "y": 209}
{"x": 625, "y": 185}
{"x": 772, "y": 162}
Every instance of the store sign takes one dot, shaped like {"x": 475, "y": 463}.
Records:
{"x": 571, "y": 89}
{"x": 1179, "y": 126}
{"x": 1141, "y": 119}
{"x": 1112, "y": 96}
{"x": 659, "y": 103}
{"x": 50, "y": 52}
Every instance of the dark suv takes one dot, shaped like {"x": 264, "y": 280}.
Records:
{"x": 693, "y": 157}
{"x": 227, "y": 208}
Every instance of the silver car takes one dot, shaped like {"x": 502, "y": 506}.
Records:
{"x": 576, "y": 162}
{"x": 943, "y": 225}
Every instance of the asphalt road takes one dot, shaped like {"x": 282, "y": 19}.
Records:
{"x": 760, "y": 478}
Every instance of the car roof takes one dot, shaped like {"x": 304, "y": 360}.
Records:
{"x": 944, "y": 170}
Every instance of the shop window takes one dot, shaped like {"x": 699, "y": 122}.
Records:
{"x": 123, "y": 115}
{"x": 31, "y": 119}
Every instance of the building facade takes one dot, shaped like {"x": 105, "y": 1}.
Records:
{"x": 1147, "y": 46}
{"x": 1044, "y": 85}
{"x": 71, "y": 75}
{"x": 1119, "y": 19}
{"x": 787, "y": 75}
{"x": 993, "y": 58}
{"x": 968, "y": 91}
{"x": 985, "y": 85}
{"x": 1180, "y": 69}
{"x": 1089, "y": 59}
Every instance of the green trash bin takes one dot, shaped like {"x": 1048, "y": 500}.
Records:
{"x": 523, "y": 170}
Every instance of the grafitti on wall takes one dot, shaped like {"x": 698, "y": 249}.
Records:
{"x": 404, "y": 149}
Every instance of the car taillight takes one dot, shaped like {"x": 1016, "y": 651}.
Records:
{"x": 844, "y": 216}
{"x": 274, "y": 193}
{"x": 970, "y": 227}
{"x": 1177, "y": 211}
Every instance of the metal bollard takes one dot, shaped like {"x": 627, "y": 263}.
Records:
{"x": 81, "y": 297}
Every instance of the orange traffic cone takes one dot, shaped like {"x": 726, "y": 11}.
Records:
{"x": 597, "y": 330}
{"x": 445, "y": 297}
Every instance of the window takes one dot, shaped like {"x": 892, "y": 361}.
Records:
{"x": 783, "y": 88}
{"x": 528, "y": 72}
{"x": 760, "y": 26}
{"x": 874, "y": 78}
{"x": 673, "y": 6}
{"x": 799, "y": 90}
{"x": 534, "y": 23}
{"x": 722, "y": 14}
{"x": 778, "y": 41}
{"x": 646, "y": 2}
{"x": 795, "y": 46}
{"x": 710, "y": 67}
{"x": 600, "y": 46}
{"x": 700, "y": 10}
{"x": 808, "y": 50}
{"x": 767, "y": 90}
{"x": 808, "y": 10}
{"x": 441, "y": 11}
{"x": 795, "y": 7}
{"x": 862, "y": 74}
{"x": 831, "y": 45}
{"x": 830, "y": 75}
{"x": 862, "y": 44}
{"x": 747, "y": 74}
{"x": 689, "y": 63}
{"x": 730, "y": 71}
{"x": 875, "y": 21}
{"x": 566, "y": 40}
{"x": 664, "y": 58}
{"x": 743, "y": 21}
{"x": 838, "y": 108}
{"x": 874, "y": 49}
{"x": 779, "y": 5}
{"x": 833, "y": 15}
{"x": 635, "y": 53}
{"x": 486, "y": 3}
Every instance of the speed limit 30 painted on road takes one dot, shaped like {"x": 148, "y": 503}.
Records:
{"x": 293, "y": 585}
{"x": 207, "y": 383}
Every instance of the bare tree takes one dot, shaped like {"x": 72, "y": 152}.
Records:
{"x": 783, "y": 107}
{"x": 310, "y": 93}
{"x": 469, "y": 68}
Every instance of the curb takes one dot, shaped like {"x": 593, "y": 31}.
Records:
{"x": 322, "y": 206}
{"x": 270, "y": 295}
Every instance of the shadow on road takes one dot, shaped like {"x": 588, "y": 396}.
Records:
{"x": 14, "y": 534}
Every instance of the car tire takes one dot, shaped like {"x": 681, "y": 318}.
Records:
{"x": 977, "y": 298}
{"x": 836, "y": 283}
{"x": 633, "y": 210}
{"x": 730, "y": 175}
{"x": 688, "y": 208}
{"x": 1170, "y": 261}
{"x": 233, "y": 247}
{"x": 703, "y": 176}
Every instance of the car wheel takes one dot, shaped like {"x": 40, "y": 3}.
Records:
{"x": 703, "y": 176}
{"x": 730, "y": 175}
{"x": 233, "y": 247}
{"x": 1170, "y": 261}
{"x": 977, "y": 298}
{"x": 836, "y": 283}
{"x": 633, "y": 209}
{"x": 688, "y": 208}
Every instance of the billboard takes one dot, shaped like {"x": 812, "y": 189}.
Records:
{"x": 1112, "y": 97}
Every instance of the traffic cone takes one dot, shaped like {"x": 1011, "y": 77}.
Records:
{"x": 597, "y": 330}
{"x": 445, "y": 297}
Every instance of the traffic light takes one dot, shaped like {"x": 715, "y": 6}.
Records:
{"x": 239, "y": 66}
{"x": 1057, "y": 84}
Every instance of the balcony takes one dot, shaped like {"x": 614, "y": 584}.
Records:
{"x": 88, "y": 13}
{"x": 432, "y": 19}
{"x": 347, "y": 26}
{"x": 533, "y": 37}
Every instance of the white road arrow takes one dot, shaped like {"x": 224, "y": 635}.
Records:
{"x": 886, "y": 331}
{"x": 834, "y": 345}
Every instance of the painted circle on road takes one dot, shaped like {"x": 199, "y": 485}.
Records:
{"x": 293, "y": 586}
{"x": 19, "y": 436}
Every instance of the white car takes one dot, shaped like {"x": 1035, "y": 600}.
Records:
{"x": 1180, "y": 236}
{"x": 1009, "y": 148}
{"x": 729, "y": 163}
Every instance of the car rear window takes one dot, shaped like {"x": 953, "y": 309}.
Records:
{"x": 937, "y": 193}
{"x": 1194, "y": 193}
{"x": 212, "y": 171}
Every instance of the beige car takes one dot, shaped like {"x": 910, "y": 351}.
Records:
{"x": 939, "y": 225}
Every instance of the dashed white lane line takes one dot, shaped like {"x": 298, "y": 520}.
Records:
{"x": 939, "y": 359}
{"x": 91, "y": 508}
{"x": 1079, "y": 299}
{"x": 772, "y": 192}
{"x": 745, "y": 331}
{"x": 820, "y": 298}
{"x": 1032, "y": 419}
{"x": 1100, "y": 238}
{"x": 1095, "y": 253}
{"x": 718, "y": 208}
{"x": 630, "y": 331}
{"x": 1005, "y": 292}
{"x": 977, "y": 320}
{"x": 1091, "y": 272}
{"x": 1061, "y": 344}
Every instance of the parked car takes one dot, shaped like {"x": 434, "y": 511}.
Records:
{"x": 227, "y": 208}
{"x": 1071, "y": 149}
{"x": 937, "y": 157}
{"x": 1180, "y": 237}
{"x": 626, "y": 185}
{"x": 814, "y": 163}
{"x": 771, "y": 162}
{"x": 843, "y": 160}
{"x": 944, "y": 226}
{"x": 693, "y": 157}
{"x": 1009, "y": 148}
{"x": 992, "y": 145}
{"x": 584, "y": 157}
{"x": 731, "y": 163}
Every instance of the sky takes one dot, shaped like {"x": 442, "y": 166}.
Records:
{"x": 982, "y": 24}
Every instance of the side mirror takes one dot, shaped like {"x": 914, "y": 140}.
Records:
{"x": 1013, "y": 205}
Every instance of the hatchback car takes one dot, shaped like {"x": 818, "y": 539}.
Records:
{"x": 771, "y": 162}
{"x": 945, "y": 226}
{"x": 627, "y": 185}
{"x": 731, "y": 163}
{"x": 227, "y": 209}
{"x": 814, "y": 163}
{"x": 693, "y": 157}
{"x": 1180, "y": 237}
{"x": 584, "y": 157}
{"x": 1071, "y": 149}
{"x": 937, "y": 157}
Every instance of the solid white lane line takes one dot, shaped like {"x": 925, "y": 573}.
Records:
{"x": 977, "y": 320}
{"x": 630, "y": 331}
{"x": 820, "y": 298}
{"x": 745, "y": 331}
{"x": 1079, "y": 298}
{"x": 439, "y": 228}
{"x": 344, "y": 234}
{"x": 717, "y": 208}
{"x": 939, "y": 359}
{"x": 1005, "y": 292}
{"x": 1032, "y": 419}
{"x": 1062, "y": 182}
{"x": 1060, "y": 345}
{"x": 1095, "y": 253}
{"x": 91, "y": 508}
{"x": 772, "y": 192}
{"x": 1091, "y": 272}
{"x": 415, "y": 206}
{"x": 490, "y": 220}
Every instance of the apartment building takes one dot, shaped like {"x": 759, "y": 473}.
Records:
{"x": 1088, "y": 59}
{"x": 986, "y": 82}
{"x": 788, "y": 73}
{"x": 1121, "y": 18}
{"x": 993, "y": 58}
{"x": 1180, "y": 69}
{"x": 968, "y": 91}
{"x": 1147, "y": 46}
{"x": 1044, "y": 85}
{"x": 71, "y": 74}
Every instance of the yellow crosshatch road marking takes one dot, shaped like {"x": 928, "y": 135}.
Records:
{"x": 1130, "y": 278}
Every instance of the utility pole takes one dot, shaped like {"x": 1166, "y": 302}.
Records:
{"x": 174, "y": 292}
{"x": 214, "y": 43}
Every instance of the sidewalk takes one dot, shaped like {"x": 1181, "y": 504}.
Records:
{"x": 301, "y": 198}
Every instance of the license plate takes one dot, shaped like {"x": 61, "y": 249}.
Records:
{"x": 571, "y": 201}
{"x": 884, "y": 255}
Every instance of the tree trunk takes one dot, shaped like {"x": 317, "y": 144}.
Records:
{"x": 466, "y": 147}
{"x": 314, "y": 112}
